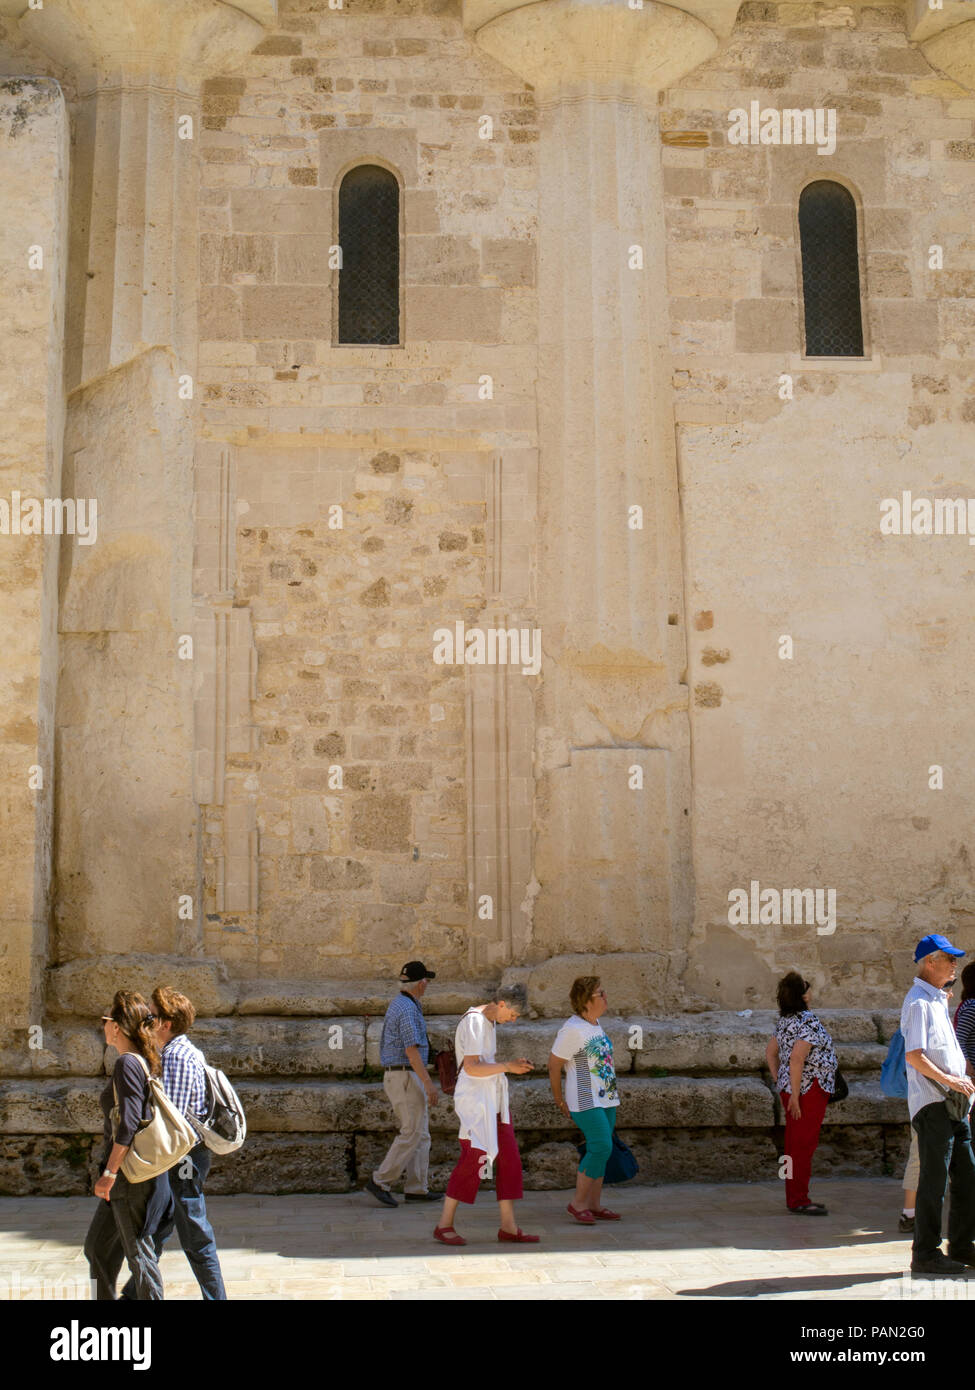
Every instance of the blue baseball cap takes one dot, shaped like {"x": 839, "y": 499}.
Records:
{"x": 936, "y": 942}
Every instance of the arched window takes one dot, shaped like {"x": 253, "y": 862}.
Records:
{"x": 369, "y": 238}
{"x": 830, "y": 271}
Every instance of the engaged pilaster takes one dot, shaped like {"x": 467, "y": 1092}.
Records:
{"x": 611, "y": 753}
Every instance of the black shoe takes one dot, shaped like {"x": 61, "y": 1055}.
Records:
{"x": 381, "y": 1195}
{"x": 906, "y": 1224}
{"x": 965, "y": 1257}
{"x": 810, "y": 1209}
{"x": 422, "y": 1196}
{"x": 938, "y": 1264}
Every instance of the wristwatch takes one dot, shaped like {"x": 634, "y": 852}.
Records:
{"x": 107, "y": 1173}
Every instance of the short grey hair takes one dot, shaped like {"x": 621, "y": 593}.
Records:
{"x": 516, "y": 996}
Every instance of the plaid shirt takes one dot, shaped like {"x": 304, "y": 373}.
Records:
{"x": 183, "y": 1077}
{"x": 403, "y": 1027}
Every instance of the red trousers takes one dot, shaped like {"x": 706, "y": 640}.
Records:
{"x": 801, "y": 1138}
{"x": 473, "y": 1165}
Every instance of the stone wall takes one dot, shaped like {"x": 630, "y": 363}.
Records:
{"x": 815, "y": 770}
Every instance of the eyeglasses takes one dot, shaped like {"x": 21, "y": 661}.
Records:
{"x": 107, "y": 1018}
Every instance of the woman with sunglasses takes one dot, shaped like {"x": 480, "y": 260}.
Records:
{"x": 128, "y": 1213}
{"x": 591, "y": 1094}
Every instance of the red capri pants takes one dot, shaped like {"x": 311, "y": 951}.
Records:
{"x": 473, "y": 1166}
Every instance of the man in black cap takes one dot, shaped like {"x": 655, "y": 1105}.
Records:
{"x": 403, "y": 1052}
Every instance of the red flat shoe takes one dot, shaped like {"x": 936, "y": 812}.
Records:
{"x": 604, "y": 1214}
{"x": 584, "y": 1218}
{"x": 448, "y": 1236}
{"x": 519, "y": 1237}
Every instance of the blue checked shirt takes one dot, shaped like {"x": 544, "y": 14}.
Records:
{"x": 403, "y": 1027}
{"x": 183, "y": 1076}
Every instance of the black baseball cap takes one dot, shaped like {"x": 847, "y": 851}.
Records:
{"x": 415, "y": 970}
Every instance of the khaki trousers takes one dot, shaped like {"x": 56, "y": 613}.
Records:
{"x": 410, "y": 1150}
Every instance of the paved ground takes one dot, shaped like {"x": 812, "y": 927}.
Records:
{"x": 688, "y": 1242}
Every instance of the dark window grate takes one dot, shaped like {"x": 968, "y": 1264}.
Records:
{"x": 830, "y": 271}
{"x": 369, "y": 238}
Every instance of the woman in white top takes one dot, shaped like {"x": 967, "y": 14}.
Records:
{"x": 486, "y": 1132}
{"x": 591, "y": 1093}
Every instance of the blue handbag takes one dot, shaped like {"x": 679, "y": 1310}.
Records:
{"x": 893, "y": 1073}
{"x": 620, "y": 1166}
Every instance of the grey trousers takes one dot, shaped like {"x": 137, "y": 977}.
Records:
{"x": 120, "y": 1229}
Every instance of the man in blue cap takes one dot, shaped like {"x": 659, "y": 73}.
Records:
{"x": 936, "y": 1068}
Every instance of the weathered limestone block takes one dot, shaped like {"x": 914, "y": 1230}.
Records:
{"x": 701, "y": 1155}
{"x": 67, "y": 1051}
{"x": 51, "y": 1107}
{"x": 723, "y": 1041}
{"x": 48, "y": 1165}
{"x": 279, "y": 1047}
{"x": 86, "y": 987}
{"x": 865, "y": 1105}
{"x": 522, "y": 1039}
{"x": 281, "y": 1163}
{"x": 633, "y": 981}
{"x": 328, "y": 998}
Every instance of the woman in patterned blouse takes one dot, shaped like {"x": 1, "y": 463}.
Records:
{"x": 801, "y": 1058}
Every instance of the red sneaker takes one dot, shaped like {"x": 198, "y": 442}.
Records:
{"x": 448, "y": 1236}
{"x": 518, "y": 1236}
{"x": 585, "y": 1218}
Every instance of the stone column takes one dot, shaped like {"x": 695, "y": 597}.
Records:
{"x": 128, "y": 836}
{"x": 33, "y": 256}
{"x": 612, "y": 748}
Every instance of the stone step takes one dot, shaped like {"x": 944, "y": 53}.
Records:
{"x": 340, "y": 1045}
{"x": 65, "y": 1107}
{"x": 84, "y": 988}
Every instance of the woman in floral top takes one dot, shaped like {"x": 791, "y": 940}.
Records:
{"x": 800, "y": 1056}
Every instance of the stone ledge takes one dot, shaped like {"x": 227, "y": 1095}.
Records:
{"x": 86, "y": 987}
{"x": 339, "y": 1045}
{"x": 63, "y": 1165}
{"x": 50, "y": 1107}
{"x": 332, "y": 998}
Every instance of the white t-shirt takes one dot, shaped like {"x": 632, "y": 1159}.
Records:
{"x": 590, "y": 1081}
{"x": 479, "y": 1100}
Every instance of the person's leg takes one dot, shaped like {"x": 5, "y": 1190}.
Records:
{"x": 160, "y": 1219}
{"x": 418, "y": 1163}
{"x": 599, "y": 1146}
{"x": 399, "y": 1087}
{"x": 596, "y": 1194}
{"x": 934, "y": 1144}
{"x": 961, "y": 1210}
{"x": 129, "y": 1203}
{"x": 192, "y": 1225}
{"x": 463, "y": 1183}
{"x": 103, "y": 1251}
{"x": 509, "y": 1179}
{"x": 911, "y": 1174}
{"x": 801, "y": 1138}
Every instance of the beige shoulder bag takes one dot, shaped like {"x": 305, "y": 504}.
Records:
{"x": 162, "y": 1140}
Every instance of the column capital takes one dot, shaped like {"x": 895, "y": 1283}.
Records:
{"x": 170, "y": 42}
{"x": 946, "y": 37}
{"x": 557, "y": 45}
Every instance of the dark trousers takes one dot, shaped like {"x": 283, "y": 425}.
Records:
{"x": 945, "y": 1149}
{"x": 189, "y": 1215}
{"x": 122, "y": 1229}
{"x": 801, "y": 1138}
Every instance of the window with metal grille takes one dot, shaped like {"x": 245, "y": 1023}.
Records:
{"x": 369, "y": 238}
{"x": 830, "y": 271}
